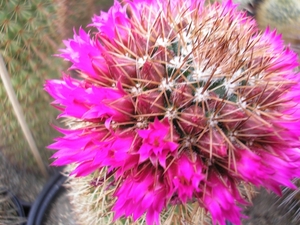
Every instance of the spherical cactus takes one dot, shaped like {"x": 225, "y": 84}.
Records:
{"x": 177, "y": 110}
{"x": 284, "y": 17}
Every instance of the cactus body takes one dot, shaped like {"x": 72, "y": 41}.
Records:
{"x": 27, "y": 42}
{"x": 29, "y": 33}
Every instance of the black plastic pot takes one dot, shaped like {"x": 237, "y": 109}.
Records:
{"x": 45, "y": 198}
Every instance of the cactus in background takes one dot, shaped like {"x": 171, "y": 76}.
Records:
{"x": 27, "y": 42}
{"x": 29, "y": 33}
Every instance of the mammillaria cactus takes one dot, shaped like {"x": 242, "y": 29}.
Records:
{"x": 27, "y": 42}
{"x": 31, "y": 32}
{"x": 179, "y": 108}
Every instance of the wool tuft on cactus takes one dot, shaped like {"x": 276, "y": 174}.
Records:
{"x": 179, "y": 106}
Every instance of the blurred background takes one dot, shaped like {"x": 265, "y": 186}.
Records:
{"x": 31, "y": 32}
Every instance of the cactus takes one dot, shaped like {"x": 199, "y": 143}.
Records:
{"x": 27, "y": 42}
{"x": 284, "y": 17}
{"x": 89, "y": 205}
{"x": 176, "y": 106}
{"x": 30, "y": 32}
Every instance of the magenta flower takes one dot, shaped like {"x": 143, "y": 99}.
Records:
{"x": 157, "y": 143}
{"x": 82, "y": 51}
{"x": 113, "y": 25}
{"x": 221, "y": 198}
{"x": 86, "y": 101}
{"x": 185, "y": 175}
{"x": 89, "y": 140}
{"x": 179, "y": 105}
{"x": 142, "y": 193}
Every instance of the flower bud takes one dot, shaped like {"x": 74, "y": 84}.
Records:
{"x": 152, "y": 71}
{"x": 182, "y": 95}
{"x": 150, "y": 102}
{"x": 192, "y": 120}
{"x": 213, "y": 144}
{"x": 121, "y": 69}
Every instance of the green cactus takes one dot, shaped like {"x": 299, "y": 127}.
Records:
{"x": 30, "y": 32}
{"x": 27, "y": 42}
